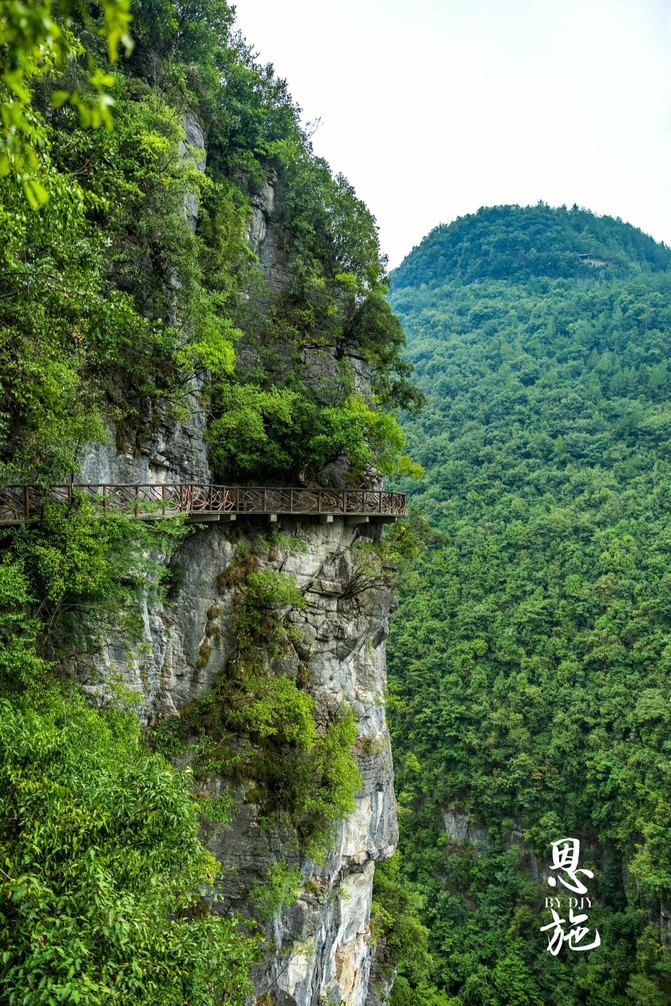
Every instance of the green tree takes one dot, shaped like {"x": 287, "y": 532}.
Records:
{"x": 37, "y": 40}
{"x": 104, "y": 881}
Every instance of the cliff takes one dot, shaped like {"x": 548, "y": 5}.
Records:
{"x": 320, "y": 941}
{"x": 196, "y": 299}
{"x": 317, "y": 945}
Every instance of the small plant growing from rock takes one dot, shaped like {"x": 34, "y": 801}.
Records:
{"x": 281, "y": 887}
{"x": 313, "y": 888}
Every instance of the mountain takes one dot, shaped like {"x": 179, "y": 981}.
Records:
{"x": 531, "y": 655}
{"x": 520, "y": 242}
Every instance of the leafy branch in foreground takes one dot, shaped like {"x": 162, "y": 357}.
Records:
{"x": 37, "y": 40}
{"x": 104, "y": 881}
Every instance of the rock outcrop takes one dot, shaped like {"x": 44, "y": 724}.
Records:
{"x": 319, "y": 944}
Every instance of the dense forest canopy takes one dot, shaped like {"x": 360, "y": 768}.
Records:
{"x": 531, "y": 653}
{"x": 520, "y": 242}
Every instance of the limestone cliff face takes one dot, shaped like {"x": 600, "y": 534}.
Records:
{"x": 320, "y": 944}
{"x": 318, "y": 948}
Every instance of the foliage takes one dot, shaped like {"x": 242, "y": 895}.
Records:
{"x": 116, "y": 312}
{"x": 395, "y": 922}
{"x": 281, "y": 431}
{"x": 104, "y": 880}
{"x": 281, "y": 887}
{"x": 339, "y": 277}
{"x": 128, "y": 305}
{"x": 531, "y": 651}
{"x": 519, "y": 243}
{"x": 260, "y": 723}
{"x": 38, "y": 41}
{"x": 74, "y": 559}
{"x": 386, "y": 561}
{"x": 89, "y": 347}
{"x": 257, "y": 609}
{"x": 253, "y": 431}
{"x": 257, "y": 725}
{"x": 19, "y": 660}
{"x": 46, "y": 402}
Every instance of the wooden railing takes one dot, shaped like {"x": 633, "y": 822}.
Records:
{"x": 24, "y": 503}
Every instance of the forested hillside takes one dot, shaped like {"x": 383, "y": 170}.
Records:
{"x": 531, "y": 656}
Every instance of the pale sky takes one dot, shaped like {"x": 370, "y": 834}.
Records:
{"x": 432, "y": 108}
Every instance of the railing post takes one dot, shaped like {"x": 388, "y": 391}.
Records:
{"x": 26, "y": 502}
{"x": 237, "y": 499}
{"x": 105, "y": 499}
{"x": 291, "y": 501}
{"x": 163, "y": 500}
{"x": 265, "y": 500}
{"x": 210, "y": 496}
{"x": 344, "y": 501}
{"x": 137, "y": 500}
{"x": 319, "y": 501}
{"x": 380, "y": 501}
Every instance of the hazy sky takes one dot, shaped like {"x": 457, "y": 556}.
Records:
{"x": 433, "y": 108}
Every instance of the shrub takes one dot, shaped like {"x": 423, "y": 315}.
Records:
{"x": 104, "y": 883}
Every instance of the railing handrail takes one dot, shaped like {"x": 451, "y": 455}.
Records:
{"x": 205, "y": 498}
{"x": 195, "y": 482}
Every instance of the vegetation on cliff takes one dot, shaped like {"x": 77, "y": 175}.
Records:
{"x": 264, "y": 728}
{"x": 104, "y": 883}
{"x": 128, "y": 304}
{"x": 104, "y": 878}
{"x": 530, "y": 655}
{"x": 116, "y": 309}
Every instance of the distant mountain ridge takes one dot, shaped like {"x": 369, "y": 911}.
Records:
{"x": 522, "y": 242}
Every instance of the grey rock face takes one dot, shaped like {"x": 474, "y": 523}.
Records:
{"x": 459, "y": 826}
{"x": 174, "y": 452}
{"x": 381, "y": 980}
{"x": 319, "y": 943}
{"x": 193, "y": 150}
{"x": 264, "y": 237}
{"x": 262, "y": 202}
{"x": 665, "y": 923}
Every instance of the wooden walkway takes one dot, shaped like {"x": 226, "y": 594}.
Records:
{"x": 210, "y": 502}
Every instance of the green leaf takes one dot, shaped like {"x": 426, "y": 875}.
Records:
{"x": 36, "y": 194}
